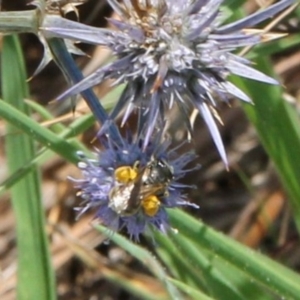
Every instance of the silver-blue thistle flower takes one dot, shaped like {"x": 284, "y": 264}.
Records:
{"x": 172, "y": 52}
{"x": 130, "y": 187}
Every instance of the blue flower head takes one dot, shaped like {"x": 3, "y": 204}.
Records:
{"x": 173, "y": 52}
{"x": 130, "y": 186}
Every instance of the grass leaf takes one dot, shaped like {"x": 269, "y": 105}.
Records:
{"x": 270, "y": 274}
{"x": 35, "y": 273}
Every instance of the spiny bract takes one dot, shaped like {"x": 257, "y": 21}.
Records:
{"x": 173, "y": 52}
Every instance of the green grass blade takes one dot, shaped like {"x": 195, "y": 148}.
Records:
{"x": 77, "y": 127}
{"x": 38, "y": 133}
{"x": 179, "y": 265}
{"x": 273, "y": 276}
{"x": 35, "y": 273}
{"x": 191, "y": 292}
{"x": 216, "y": 284}
{"x": 278, "y": 126}
{"x": 145, "y": 257}
{"x": 221, "y": 279}
{"x": 45, "y": 154}
{"x": 274, "y": 47}
{"x": 224, "y": 280}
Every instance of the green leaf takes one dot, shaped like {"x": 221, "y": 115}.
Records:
{"x": 200, "y": 267}
{"x": 193, "y": 293}
{"x": 35, "y": 273}
{"x": 217, "y": 284}
{"x": 273, "y": 276}
{"x": 278, "y": 126}
{"x": 77, "y": 127}
{"x": 274, "y": 47}
{"x": 144, "y": 256}
{"x": 180, "y": 265}
{"x": 45, "y": 154}
{"x": 39, "y": 133}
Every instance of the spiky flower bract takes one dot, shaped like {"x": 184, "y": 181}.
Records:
{"x": 173, "y": 52}
{"x": 129, "y": 187}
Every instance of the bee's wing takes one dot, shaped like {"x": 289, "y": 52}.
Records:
{"x": 135, "y": 197}
{"x": 141, "y": 191}
{"x": 152, "y": 189}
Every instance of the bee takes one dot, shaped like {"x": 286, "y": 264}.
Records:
{"x": 124, "y": 199}
{"x": 145, "y": 190}
{"x": 158, "y": 171}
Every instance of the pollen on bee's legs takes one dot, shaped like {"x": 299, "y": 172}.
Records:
{"x": 125, "y": 174}
{"x": 151, "y": 205}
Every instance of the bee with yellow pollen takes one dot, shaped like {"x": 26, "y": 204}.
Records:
{"x": 141, "y": 188}
{"x": 131, "y": 187}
